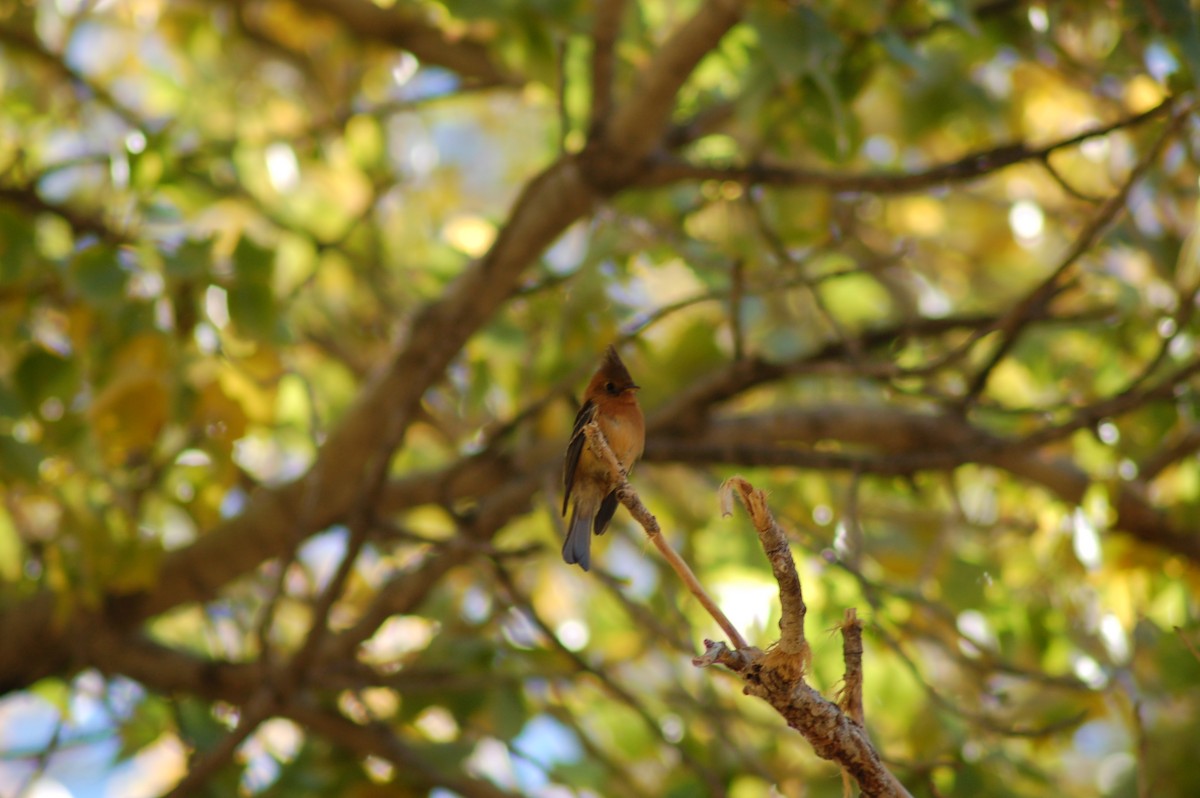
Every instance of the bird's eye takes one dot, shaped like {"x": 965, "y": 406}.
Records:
{"x": 610, "y": 387}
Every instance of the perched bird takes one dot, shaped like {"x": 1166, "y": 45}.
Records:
{"x": 611, "y": 400}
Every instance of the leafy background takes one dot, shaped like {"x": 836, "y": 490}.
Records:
{"x": 296, "y": 297}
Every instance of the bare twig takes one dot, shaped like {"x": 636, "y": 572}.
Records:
{"x": 604, "y": 676}
{"x": 777, "y": 677}
{"x": 851, "y": 698}
{"x": 629, "y": 497}
{"x": 831, "y": 732}
{"x": 737, "y": 287}
{"x": 1015, "y": 321}
{"x": 791, "y": 655}
{"x": 202, "y": 768}
{"x": 1188, "y": 643}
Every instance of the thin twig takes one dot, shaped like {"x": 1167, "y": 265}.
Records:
{"x": 604, "y": 676}
{"x": 629, "y": 497}
{"x": 851, "y": 698}
{"x": 202, "y": 768}
{"x": 1018, "y": 318}
{"x": 737, "y": 287}
{"x": 667, "y": 170}
{"x": 560, "y": 89}
{"x": 1188, "y": 643}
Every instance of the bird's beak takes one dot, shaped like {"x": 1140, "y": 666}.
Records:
{"x": 634, "y": 388}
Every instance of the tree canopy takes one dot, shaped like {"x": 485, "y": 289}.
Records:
{"x": 297, "y": 298}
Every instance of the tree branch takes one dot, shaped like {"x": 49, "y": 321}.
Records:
{"x": 637, "y": 127}
{"x": 901, "y": 442}
{"x": 379, "y": 740}
{"x": 604, "y": 39}
{"x": 629, "y": 497}
{"x": 399, "y": 27}
{"x": 777, "y": 677}
{"x": 669, "y": 170}
{"x": 791, "y": 655}
{"x": 1016, "y": 319}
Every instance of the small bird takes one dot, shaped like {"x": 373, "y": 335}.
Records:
{"x": 611, "y": 400}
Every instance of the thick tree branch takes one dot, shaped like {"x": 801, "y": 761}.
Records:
{"x": 170, "y": 671}
{"x": 638, "y": 126}
{"x": 275, "y": 519}
{"x": 899, "y": 442}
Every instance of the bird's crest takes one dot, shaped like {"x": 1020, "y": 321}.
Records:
{"x": 614, "y": 370}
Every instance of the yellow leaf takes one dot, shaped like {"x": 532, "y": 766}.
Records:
{"x": 146, "y": 352}
{"x": 11, "y": 549}
{"x": 130, "y": 411}
{"x": 128, "y": 415}
{"x": 136, "y": 569}
{"x": 220, "y": 416}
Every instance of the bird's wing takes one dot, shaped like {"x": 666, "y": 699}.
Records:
{"x": 575, "y": 448}
{"x": 605, "y": 513}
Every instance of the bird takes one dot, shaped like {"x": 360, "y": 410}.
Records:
{"x": 611, "y": 401}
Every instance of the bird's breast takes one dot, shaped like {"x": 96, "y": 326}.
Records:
{"x": 625, "y": 437}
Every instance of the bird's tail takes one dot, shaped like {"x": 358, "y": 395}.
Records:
{"x": 577, "y": 548}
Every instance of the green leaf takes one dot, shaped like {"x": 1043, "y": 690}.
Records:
{"x": 251, "y": 297}
{"x": 797, "y": 41}
{"x": 959, "y": 12}
{"x": 252, "y": 309}
{"x": 10, "y": 403}
{"x": 1182, "y": 27}
{"x": 899, "y": 49}
{"x": 99, "y": 276}
{"x": 41, "y": 375}
{"x": 507, "y": 713}
{"x": 144, "y": 725}
{"x": 856, "y": 300}
{"x": 55, "y": 692}
{"x": 963, "y": 583}
{"x": 17, "y": 249}
{"x": 19, "y": 460}
{"x": 192, "y": 261}
{"x": 252, "y": 263}
{"x": 197, "y": 725}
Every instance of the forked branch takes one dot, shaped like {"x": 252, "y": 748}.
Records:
{"x": 835, "y": 732}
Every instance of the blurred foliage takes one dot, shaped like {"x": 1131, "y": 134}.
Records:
{"x": 217, "y": 218}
